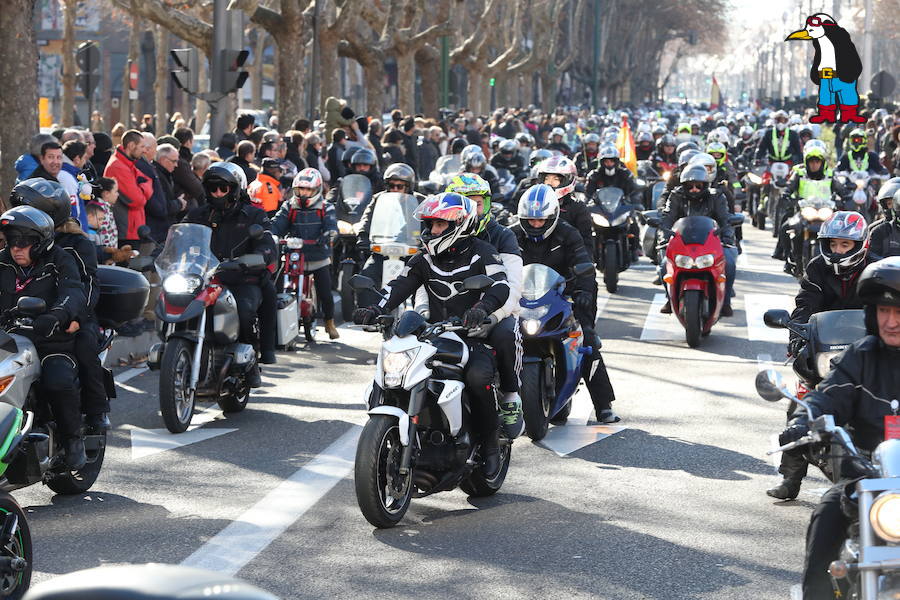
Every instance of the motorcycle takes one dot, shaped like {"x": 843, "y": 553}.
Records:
{"x": 803, "y": 229}
{"x": 444, "y": 170}
{"x": 868, "y": 567}
{"x": 300, "y": 287}
{"x": 418, "y": 439}
{"x": 648, "y": 232}
{"x": 774, "y": 182}
{"x": 198, "y": 324}
{"x": 356, "y": 190}
{"x": 695, "y": 274}
{"x": 611, "y": 217}
{"x": 552, "y": 348}
{"x": 753, "y": 182}
{"x": 862, "y": 187}
{"x": 507, "y": 186}
{"x": 825, "y": 336}
{"x": 394, "y": 232}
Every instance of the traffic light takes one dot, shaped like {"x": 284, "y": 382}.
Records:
{"x": 232, "y": 77}
{"x": 492, "y": 81}
{"x": 87, "y": 57}
{"x": 185, "y": 73}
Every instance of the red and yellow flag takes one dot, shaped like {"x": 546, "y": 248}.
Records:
{"x": 625, "y": 146}
{"x": 715, "y": 95}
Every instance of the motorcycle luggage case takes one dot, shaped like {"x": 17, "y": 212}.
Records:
{"x": 287, "y": 320}
{"x": 123, "y": 295}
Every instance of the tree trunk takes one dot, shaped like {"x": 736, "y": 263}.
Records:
{"x": 473, "y": 91}
{"x": 289, "y": 95}
{"x": 406, "y": 82}
{"x": 68, "y": 73}
{"x": 18, "y": 47}
{"x": 548, "y": 91}
{"x": 202, "y": 108}
{"x": 259, "y": 49}
{"x": 328, "y": 68}
{"x": 134, "y": 40}
{"x": 429, "y": 61}
{"x": 374, "y": 87}
{"x": 161, "y": 85}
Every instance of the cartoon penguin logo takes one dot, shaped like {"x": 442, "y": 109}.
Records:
{"x": 835, "y": 69}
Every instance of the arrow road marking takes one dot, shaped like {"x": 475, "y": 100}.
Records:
{"x": 575, "y": 434}
{"x": 248, "y": 535}
{"x": 146, "y": 442}
{"x": 756, "y": 306}
{"x": 658, "y": 326}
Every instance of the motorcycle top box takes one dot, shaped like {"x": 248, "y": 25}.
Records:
{"x": 123, "y": 295}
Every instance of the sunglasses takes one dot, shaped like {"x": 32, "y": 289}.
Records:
{"x": 217, "y": 187}
{"x": 694, "y": 186}
{"x": 396, "y": 186}
{"x": 21, "y": 241}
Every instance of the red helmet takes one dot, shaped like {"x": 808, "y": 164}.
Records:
{"x": 844, "y": 225}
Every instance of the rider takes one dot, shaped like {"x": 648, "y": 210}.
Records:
{"x": 695, "y": 197}
{"x": 509, "y": 158}
{"x": 35, "y": 266}
{"x": 664, "y": 159}
{"x": 829, "y": 284}
{"x": 586, "y": 160}
{"x": 363, "y": 162}
{"x": 745, "y": 145}
{"x": 450, "y": 253}
{"x": 884, "y": 235}
{"x": 860, "y": 390}
{"x": 308, "y": 217}
{"x": 858, "y": 157}
{"x": 557, "y": 141}
{"x": 52, "y": 199}
{"x": 534, "y": 159}
{"x": 644, "y": 146}
{"x": 725, "y": 177}
{"x": 559, "y": 173}
{"x": 474, "y": 161}
{"x": 779, "y": 143}
{"x": 547, "y": 239}
{"x": 229, "y": 213}
{"x": 610, "y": 173}
{"x": 504, "y": 337}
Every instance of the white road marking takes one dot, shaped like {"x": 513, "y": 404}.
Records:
{"x": 130, "y": 374}
{"x": 755, "y": 306}
{"x": 569, "y": 438}
{"x": 764, "y": 361}
{"x": 658, "y": 326}
{"x": 602, "y": 301}
{"x": 146, "y": 442}
{"x": 248, "y": 535}
{"x": 743, "y": 261}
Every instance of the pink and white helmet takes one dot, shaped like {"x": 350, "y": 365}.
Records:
{"x": 562, "y": 166}
{"x": 844, "y": 225}
{"x": 308, "y": 178}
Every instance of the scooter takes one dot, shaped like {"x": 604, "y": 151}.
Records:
{"x": 553, "y": 349}
{"x": 299, "y": 286}
{"x": 199, "y": 354}
{"x": 611, "y": 215}
{"x": 419, "y": 439}
{"x": 868, "y": 567}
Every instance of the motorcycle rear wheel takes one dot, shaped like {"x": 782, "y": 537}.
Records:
{"x": 14, "y": 584}
{"x": 237, "y": 400}
{"x": 479, "y": 485}
{"x": 693, "y": 318}
{"x": 80, "y": 481}
{"x": 382, "y": 493}
{"x": 176, "y": 401}
{"x": 535, "y": 405}
{"x": 348, "y": 299}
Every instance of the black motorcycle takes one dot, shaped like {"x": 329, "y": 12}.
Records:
{"x": 356, "y": 191}
{"x": 803, "y": 230}
{"x": 611, "y": 214}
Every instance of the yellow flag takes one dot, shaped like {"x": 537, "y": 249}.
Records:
{"x": 625, "y": 146}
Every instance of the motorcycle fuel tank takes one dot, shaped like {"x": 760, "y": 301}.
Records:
{"x": 225, "y": 319}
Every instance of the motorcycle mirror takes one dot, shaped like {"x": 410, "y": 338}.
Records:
{"x": 255, "y": 231}
{"x": 579, "y": 187}
{"x": 769, "y": 385}
{"x": 776, "y": 318}
{"x": 361, "y": 282}
{"x": 141, "y": 263}
{"x": 653, "y": 220}
{"x": 30, "y": 306}
{"x": 477, "y": 283}
{"x": 582, "y": 269}
{"x": 736, "y": 220}
{"x": 144, "y": 233}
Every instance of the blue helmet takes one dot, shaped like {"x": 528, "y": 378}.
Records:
{"x": 539, "y": 202}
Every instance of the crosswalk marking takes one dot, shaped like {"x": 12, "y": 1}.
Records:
{"x": 755, "y": 306}
{"x": 658, "y": 326}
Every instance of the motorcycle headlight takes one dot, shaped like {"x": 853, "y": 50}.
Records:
{"x": 640, "y": 182}
{"x": 885, "y": 516}
{"x": 825, "y": 213}
{"x": 293, "y": 243}
{"x": 531, "y": 326}
{"x": 176, "y": 283}
{"x": 704, "y": 261}
{"x": 666, "y": 175}
{"x": 394, "y": 365}
{"x": 754, "y": 178}
{"x": 684, "y": 262}
{"x": 295, "y": 256}
{"x": 533, "y": 313}
{"x": 809, "y": 213}
{"x": 599, "y": 220}
{"x": 823, "y": 362}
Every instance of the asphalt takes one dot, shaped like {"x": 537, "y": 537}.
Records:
{"x": 671, "y": 507}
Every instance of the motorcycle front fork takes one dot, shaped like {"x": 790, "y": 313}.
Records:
{"x": 198, "y": 352}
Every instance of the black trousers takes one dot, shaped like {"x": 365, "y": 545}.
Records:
{"x": 479, "y": 379}
{"x": 322, "y": 281}
{"x": 60, "y": 389}
{"x": 256, "y": 301}
{"x": 593, "y": 370}
{"x": 372, "y": 268}
{"x": 90, "y": 371}
{"x": 825, "y": 535}
{"x": 506, "y": 339}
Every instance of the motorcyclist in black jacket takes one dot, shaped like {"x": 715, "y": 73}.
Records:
{"x": 587, "y": 159}
{"x": 474, "y": 161}
{"x": 860, "y": 391}
{"x": 535, "y": 158}
{"x": 52, "y": 199}
{"x": 451, "y": 253}
{"x": 559, "y": 173}
{"x": 32, "y": 265}
{"x": 230, "y": 215}
{"x": 828, "y": 284}
{"x": 884, "y": 235}
{"x": 509, "y": 158}
{"x": 665, "y": 158}
{"x": 363, "y": 162}
{"x": 545, "y": 238}
{"x": 612, "y": 173}
{"x": 557, "y": 141}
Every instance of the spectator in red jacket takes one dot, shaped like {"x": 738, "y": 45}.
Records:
{"x": 135, "y": 188}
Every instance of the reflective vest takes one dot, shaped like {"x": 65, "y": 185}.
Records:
{"x": 858, "y": 166}
{"x": 781, "y": 154}
{"x": 814, "y": 188}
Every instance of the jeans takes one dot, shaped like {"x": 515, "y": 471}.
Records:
{"x": 834, "y": 91}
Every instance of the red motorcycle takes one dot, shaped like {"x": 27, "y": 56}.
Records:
{"x": 298, "y": 283}
{"x": 695, "y": 275}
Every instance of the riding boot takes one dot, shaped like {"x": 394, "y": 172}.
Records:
{"x": 490, "y": 453}
{"x": 254, "y": 379}
{"x": 786, "y": 490}
{"x": 75, "y": 457}
{"x": 666, "y": 308}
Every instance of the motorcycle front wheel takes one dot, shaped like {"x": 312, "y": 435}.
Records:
{"x": 611, "y": 268}
{"x": 383, "y": 494}
{"x": 693, "y": 318}
{"x": 176, "y": 399}
{"x": 348, "y": 298}
{"x": 535, "y": 404}
{"x": 14, "y": 583}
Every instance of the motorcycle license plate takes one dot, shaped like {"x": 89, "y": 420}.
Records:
{"x": 393, "y": 250}
{"x": 892, "y": 427}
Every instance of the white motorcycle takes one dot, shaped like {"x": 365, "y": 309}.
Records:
{"x": 394, "y": 233}
{"x": 418, "y": 439}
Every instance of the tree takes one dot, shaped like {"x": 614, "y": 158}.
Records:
{"x": 161, "y": 83}
{"x": 68, "y": 70}
{"x": 18, "y": 46}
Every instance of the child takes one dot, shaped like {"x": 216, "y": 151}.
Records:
{"x": 106, "y": 194}
{"x": 95, "y": 214}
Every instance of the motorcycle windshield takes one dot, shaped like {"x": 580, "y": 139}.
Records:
{"x": 394, "y": 220}
{"x": 609, "y": 198}
{"x": 356, "y": 191}
{"x": 694, "y": 230}
{"x": 838, "y": 327}
{"x": 658, "y": 189}
{"x": 446, "y": 166}
{"x": 187, "y": 251}
{"x": 816, "y": 203}
{"x": 538, "y": 279}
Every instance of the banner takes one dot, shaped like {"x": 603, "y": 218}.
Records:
{"x": 625, "y": 146}
{"x": 715, "y": 95}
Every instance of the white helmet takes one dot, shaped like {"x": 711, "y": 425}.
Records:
{"x": 562, "y": 166}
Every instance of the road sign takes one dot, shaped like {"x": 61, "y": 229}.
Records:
{"x": 88, "y": 82}
{"x": 133, "y": 76}
{"x": 883, "y": 84}
{"x": 87, "y": 57}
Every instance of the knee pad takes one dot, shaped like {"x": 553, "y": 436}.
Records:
{"x": 59, "y": 374}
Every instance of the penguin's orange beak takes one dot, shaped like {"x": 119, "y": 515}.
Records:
{"x": 800, "y": 34}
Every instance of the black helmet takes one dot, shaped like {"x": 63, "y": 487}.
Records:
{"x": 541, "y": 154}
{"x": 665, "y": 140}
{"x": 879, "y": 284}
{"x": 885, "y": 192}
{"x": 457, "y": 145}
{"x": 363, "y": 156}
{"x": 403, "y": 172}
{"x": 508, "y": 146}
{"x": 691, "y": 145}
{"x": 347, "y": 156}
{"x": 695, "y": 173}
{"x": 224, "y": 173}
{"x": 47, "y": 196}
{"x": 28, "y": 222}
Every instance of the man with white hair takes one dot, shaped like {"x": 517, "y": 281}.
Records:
{"x": 429, "y": 151}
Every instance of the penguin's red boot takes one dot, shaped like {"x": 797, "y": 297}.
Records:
{"x": 848, "y": 114}
{"x": 827, "y": 114}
